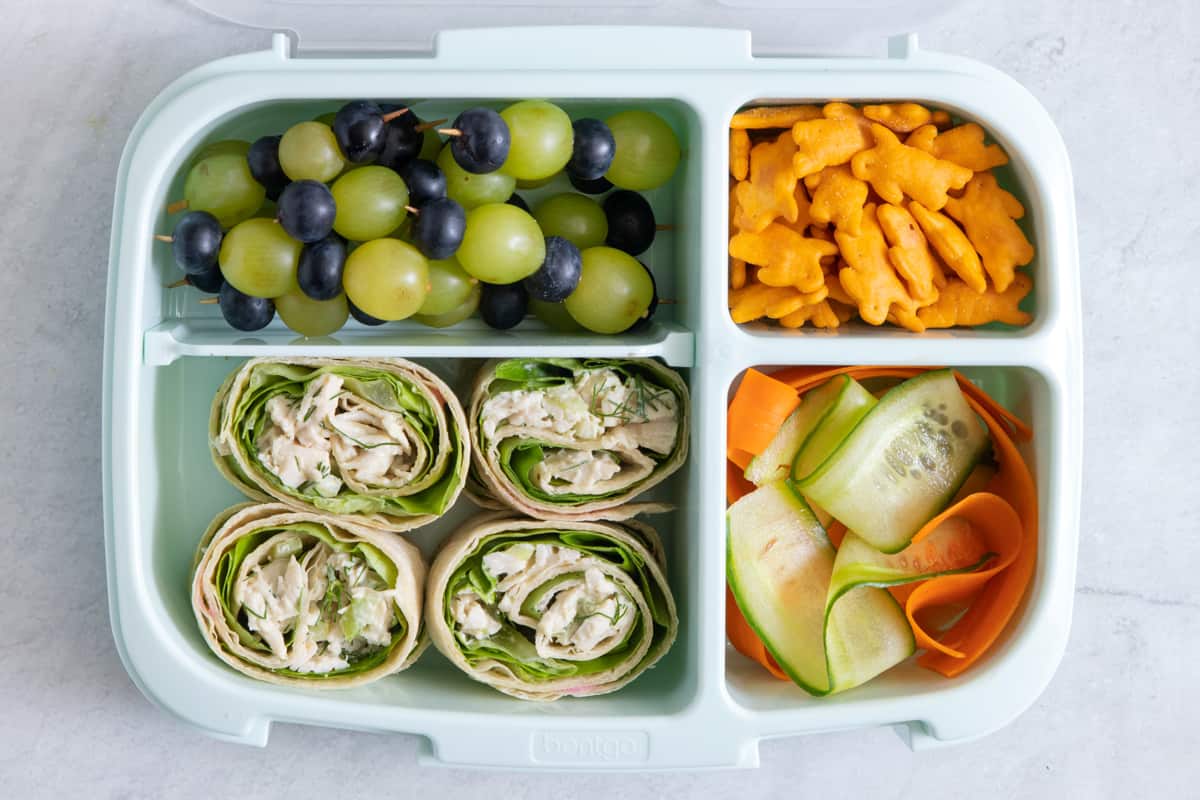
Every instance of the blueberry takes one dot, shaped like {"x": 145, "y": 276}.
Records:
{"x": 320, "y": 270}
{"x": 559, "y": 274}
{"x": 307, "y": 210}
{"x": 208, "y": 281}
{"x": 401, "y": 141}
{"x": 196, "y": 242}
{"x": 362, "y": 316}
{"x": 263, "y": 159}
{"x": 598, "y": 186}
{"x": 630, "y": 222}
{"x": 425, "y": 181}
{"x": 439, "y": 228}
{"x": 503, "y": 306}
{"x": 244, "y": 312}
{"x": 482, "y": 142}
{"x": 358, "y": 127}
{"x": 593, "y": 151}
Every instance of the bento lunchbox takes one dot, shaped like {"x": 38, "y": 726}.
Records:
{"x": 703, "y": 705}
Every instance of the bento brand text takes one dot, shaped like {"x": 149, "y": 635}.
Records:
{"x": 572, "y": 747}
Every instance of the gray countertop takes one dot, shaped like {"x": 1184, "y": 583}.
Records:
{"x": 1122, "y": 81}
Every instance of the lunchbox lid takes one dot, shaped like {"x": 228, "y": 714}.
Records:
{"x": 777, "y": 27}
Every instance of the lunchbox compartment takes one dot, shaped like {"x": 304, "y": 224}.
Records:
{"x": 911, "y": 692}
{"x": 178, "y": 324}
{"x": 183, "y": 491}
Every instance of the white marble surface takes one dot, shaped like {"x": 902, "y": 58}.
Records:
{"x": 1121, "y": 78}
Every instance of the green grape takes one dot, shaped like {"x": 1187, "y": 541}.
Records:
{"x": 614, "y": 291}
{"x": 370, "y": 203}
{"x": 471, "y": 190}
{"x": 387, "y": 278}
{"x": 326, "y": 118}
{"x": 223, "y": 186}
{"x": 542, "y": 139}
{"x": 224, "y": 147}
{"x": 555, "y": 315}
{"x": 647, "y": 151}
{"x": 455, "y": 315}
{"x": 309, "y": 151}
{"x": 309, "y": 317}
{"x": 258, "y": 258}
{"x": 431, "y": 144}
{"x": 529, "y": 185}
{"x": 502, "y": 244}
{"x": 575, "y": 217}
{"x": 449, "y": 287}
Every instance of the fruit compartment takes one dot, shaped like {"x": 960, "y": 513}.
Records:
{"x": 179, "y": 493}
{"x": 1029, "y": 176}
{"x": 919, "y": 696}
{"x": 178, "y": 324}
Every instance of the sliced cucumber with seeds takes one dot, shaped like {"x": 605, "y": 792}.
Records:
{"x": 779, "y": 566}
{"x": 847, "y": 410}
{"x": 775, "y": 462}
{"x": 903, "y": 463}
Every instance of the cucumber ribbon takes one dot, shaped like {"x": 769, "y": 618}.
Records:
{"x": 541, "y": 609}
{"x": 987, "y": 542}
{"x": 575, "y": 438}
{"x": 380, "y": 442}
{"x": 298, "y": 598}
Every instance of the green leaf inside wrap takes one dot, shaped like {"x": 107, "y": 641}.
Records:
{"x": 511, "y": 646}
{"x": 384, "y": 389}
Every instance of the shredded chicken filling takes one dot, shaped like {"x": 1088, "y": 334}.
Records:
{"x": 580, "y": 612}
{"x": 318, "y": 610}
{"x": 330, "y": 437}
{"x": 599, "y": 430}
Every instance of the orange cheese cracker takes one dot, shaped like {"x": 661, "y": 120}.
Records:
{"x": 785, "y": 257}
{"x": 959, "y": 304}
{"x": 910, "y": 254}
{"x": 963, "y": 145}
{"x": 899, "y": 117}
{"x": 766, "y": 117}
{"x": 951, "y": 244}
{"x": 987, "y": 212}
{"x": 769, "y": 193}
{"x": 827, "y": 142}
{"x": 894, "y": 170}
{"x": 739, "y": 154}
{"x": 839, "y": 198}
{"x": 868, "y": 276}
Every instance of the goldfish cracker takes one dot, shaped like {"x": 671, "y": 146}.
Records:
{"x": 785, "y": 257}
{"x": 959, "y": 304}
{"x": 952, "y": 245}
{"x": 899, "y": 117}
{"x": 822, "y": 143}
{"x": 739, "y": 154}
{"x": 910, "y": 254}
{"x": 770, "y": 192}
{"x": 894, "y": 170}
{"x": 987, "y": 213}
{"x": 963, "y": 145}
{"x": 766, "y": 117}
{"x": 868, "y": 276}
{"x": 839, "y": 198}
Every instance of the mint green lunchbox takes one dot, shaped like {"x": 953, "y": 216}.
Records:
{"x": 703, "y": 705}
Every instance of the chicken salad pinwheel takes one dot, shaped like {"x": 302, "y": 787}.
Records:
{"x": 541, "y": 609}
{"x": 379, "y": 442}
{"x": 575, "y": 438}
{"x": 303, "y": 599}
